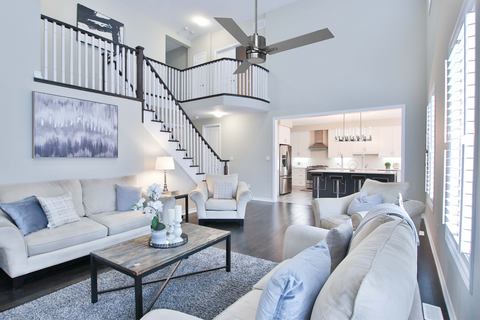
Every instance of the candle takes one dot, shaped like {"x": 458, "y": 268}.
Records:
{"x": 178, "y": 212}
{"x": 171, "y": 214}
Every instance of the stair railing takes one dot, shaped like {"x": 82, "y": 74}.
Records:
{"x": 166, "y": 109}
{"x": 75, "y": 57}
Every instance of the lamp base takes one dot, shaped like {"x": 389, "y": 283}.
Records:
{"x": 171, "y": 193}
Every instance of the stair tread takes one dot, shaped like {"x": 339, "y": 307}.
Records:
{"x": 194, "y": 166}
{"x": 148, "y": 110}
{"x": 157, "y": 121}
{"x": 173, "y": 141}
{"x": 188, "y": 158}
{"x": 181, "y": 149}
{"x": 199, "y": 173}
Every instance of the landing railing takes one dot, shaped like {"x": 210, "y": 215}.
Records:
{"x": 75, "y": 57}
{"x": 214, "y": 78}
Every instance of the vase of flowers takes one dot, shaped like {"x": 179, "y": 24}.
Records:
{"x": 152, "y": 209}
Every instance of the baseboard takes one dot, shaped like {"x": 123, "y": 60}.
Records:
{"x": 443, "y": 283}
{"x": 263, "y": 199}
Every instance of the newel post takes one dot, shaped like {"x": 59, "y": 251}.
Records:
{"x": 140, "y": 58}
{"x": 225, "y": 168}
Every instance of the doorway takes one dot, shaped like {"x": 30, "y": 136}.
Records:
{"x": 176, "y": 53}
{"x": 213, "y": 135}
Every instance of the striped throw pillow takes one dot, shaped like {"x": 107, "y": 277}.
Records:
{"x": 59, "y": 210}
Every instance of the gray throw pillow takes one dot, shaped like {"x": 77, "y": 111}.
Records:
{"x": 338, "y": 240}
{"x": 127, "y": 196}
{"x": 59, "y": 210}
{"x": 364, "y": 202}
{"x": 27, "y": 214}
{"x": 223, "y": 190}
{"x": 292, "y": 290}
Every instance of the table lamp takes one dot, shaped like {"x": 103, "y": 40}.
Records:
{"x": 165, "y": 163}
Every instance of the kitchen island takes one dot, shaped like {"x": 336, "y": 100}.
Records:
{"x": 325, "y": 187}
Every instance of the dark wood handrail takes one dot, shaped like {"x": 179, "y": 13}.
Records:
{"x": 180, "y": 107}
{"x": 205, "y": 63}
{"x": 69, "y": 26}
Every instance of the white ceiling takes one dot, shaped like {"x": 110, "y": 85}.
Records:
{"x": 350, "y": 117}
{"x": 177, "y": 14}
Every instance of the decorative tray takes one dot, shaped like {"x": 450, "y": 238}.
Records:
{"x": 169, "y": 245}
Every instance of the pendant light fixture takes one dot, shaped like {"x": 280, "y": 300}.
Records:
{"x": 357, "y": 134}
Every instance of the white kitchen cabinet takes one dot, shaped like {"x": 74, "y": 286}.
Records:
{"x": 300, "y": 141}
{"x": 337, "y": 149}
{"x": 283, "y": 135}
{"x": 298, "y": 177}
{"x": 390, "y": 142}
{"x": 367, "y": 147}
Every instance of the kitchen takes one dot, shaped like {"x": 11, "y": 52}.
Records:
{"x": 333, "y": 155}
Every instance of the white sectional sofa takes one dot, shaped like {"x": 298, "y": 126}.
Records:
{"x": 100, "y": 225}
{"x": 376, "y": 280}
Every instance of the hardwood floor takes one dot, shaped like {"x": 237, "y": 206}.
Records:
{"x": 261, "y": 237}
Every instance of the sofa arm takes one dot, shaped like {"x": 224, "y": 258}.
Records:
{"x": 327, "y": 207}
{"x": 200, "y": 195}
{"x": 244, "y": 196}
{"x": 415, "y": 209}
{"x": 13, "y": 249}
{"x": 168, "y": 202}
{"x": 300, "y": 237}
{"x": 166, "y": 314}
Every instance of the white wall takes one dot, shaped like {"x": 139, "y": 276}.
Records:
{"x": 177, "y": 58}
{"x": 377, "y": 58}
{"x": 137, "y": 148}
{"x": 440, "y": 27}
{"x": 139, "y": 30}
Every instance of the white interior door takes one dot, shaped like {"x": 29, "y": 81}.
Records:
{"x": 212, "y": 133}
{"x": 200, "y": 58}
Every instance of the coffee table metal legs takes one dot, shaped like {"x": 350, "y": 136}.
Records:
{"x": 228, "y": 254}
{"x": 138, "y": 298}
{"x": 93, "y": 277}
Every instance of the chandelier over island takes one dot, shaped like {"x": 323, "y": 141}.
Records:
{"x": 352, "y": 135}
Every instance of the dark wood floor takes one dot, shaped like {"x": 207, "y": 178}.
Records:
{"x": 261, "y": 237}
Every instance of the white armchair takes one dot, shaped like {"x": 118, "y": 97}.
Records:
{"x": 229, "y": 203}
{"x": 331, "y": 212}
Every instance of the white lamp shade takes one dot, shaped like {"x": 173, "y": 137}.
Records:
{"x": 165, "y": 163}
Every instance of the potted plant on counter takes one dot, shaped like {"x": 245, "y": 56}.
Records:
{"x": 387, "y": 165}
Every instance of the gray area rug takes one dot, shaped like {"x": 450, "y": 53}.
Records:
{"x": 204, "y": 295}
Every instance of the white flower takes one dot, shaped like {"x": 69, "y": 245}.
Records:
{"x": 158, "y": 205}
{"x": 140, "y": 202}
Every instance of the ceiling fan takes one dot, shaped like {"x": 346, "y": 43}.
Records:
{"x": 255, "y": 45}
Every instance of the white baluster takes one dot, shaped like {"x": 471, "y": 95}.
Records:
{"x": 86, "y": 61}
{"x": 45, "y": 49}
{"x": 99, "y": 71}
{"x": 79, "y": 59}
{"x": 54, "y": 50}
{"x": 63, "y": 53}
{"x": 93, "y": 62}
{"x": 105, "y": 66}
{"x": 117, "y": 71}
{"x": 134, "y": 74}
{"x": 71, "y": 56}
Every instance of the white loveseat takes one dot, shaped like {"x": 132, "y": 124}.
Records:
{"x": 210, "y": 208}
{"x": 376, "y": 280}
{"x": 332, "y": 212}
{"x": 100, "y": 225}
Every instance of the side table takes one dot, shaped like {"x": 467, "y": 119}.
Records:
{"x": 183, "y": 196}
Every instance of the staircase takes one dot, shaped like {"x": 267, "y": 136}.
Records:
{"x": 76, "y": 58}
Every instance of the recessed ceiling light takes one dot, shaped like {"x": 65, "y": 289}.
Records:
{"x": 201, "y": 21}
{"x": 218, "y": 114}
{"x": 192, "y": 32}
{"x": 185, "y": 28}
{"x": 197, "y": 117}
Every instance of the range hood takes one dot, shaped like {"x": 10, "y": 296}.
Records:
{"x": 321, "y": 140}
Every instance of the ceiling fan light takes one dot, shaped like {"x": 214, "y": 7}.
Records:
{"x": 256, "y": 57}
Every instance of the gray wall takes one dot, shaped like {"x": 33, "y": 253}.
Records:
{"x": 376, "y": 59}
{"x": 137, "y": 148}
{"x": 440, "y": 27}
{"x": 177, "y": 58}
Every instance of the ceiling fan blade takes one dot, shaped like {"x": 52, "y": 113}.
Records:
{"x": 235, "y": 31}
{"x": 243, "y": 67}
{"x": 300, "y": 41}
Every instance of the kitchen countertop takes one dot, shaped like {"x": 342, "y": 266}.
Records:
{"x": 356, "y": 171}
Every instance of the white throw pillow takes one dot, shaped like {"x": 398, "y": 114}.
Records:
{"x": 212, "y": 178}
{"x": 338, "y": 240}
{"x": 389, "y": 190}
{"x": 59, "y": 210}
{"x": 364, "y": 202}
{"x": 223, "y": 190}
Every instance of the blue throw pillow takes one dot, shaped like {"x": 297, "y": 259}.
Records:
{"x": 292, "y": 290}
{"x": 127, "y": 196}
{"x": 27, "y": 214}
{"x": 364, "y": 202}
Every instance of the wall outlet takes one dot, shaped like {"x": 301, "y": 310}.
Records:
{"x": 231, "y": 158}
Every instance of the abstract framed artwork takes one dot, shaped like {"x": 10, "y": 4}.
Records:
{"x": 67, "y": 127}
{"x": 99, "y": 24}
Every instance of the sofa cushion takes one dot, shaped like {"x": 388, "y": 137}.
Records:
{"x": 333, "y": 221}
{"x": 364, "y": 202}
{"x": 243, "y": 308}
{"x": 118, "y": 222}
{"x": 16, "y": 192}
{"x": 389, "y": 190}
{"x": 291, "y": 291}
{"x": 221, "y": 204}
{"x": 68, "y": 235}
{"x": 377, "y": 279}
{"x": 127, "y": 196}
{"x": 100, "y": 195}
{"x": 27, "y": 214}
{"x": 338, "y": 240}
{"x": 232, "y": 179}
{"x": 59, "y": 210}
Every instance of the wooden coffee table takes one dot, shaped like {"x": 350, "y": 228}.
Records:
{"x": 137, "y": 259}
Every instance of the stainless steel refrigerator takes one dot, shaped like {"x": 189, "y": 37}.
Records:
{"x": 285, "y": 169}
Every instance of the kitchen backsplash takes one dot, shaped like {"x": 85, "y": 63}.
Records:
{"x": 320, "y": 157}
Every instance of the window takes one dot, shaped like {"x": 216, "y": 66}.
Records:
{"x": 430, "y": 150}
{"x": 459, "y": 136}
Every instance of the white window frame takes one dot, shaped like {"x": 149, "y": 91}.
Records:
{"x": 459, "y": 157}
{"x": 430, "y": 150}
